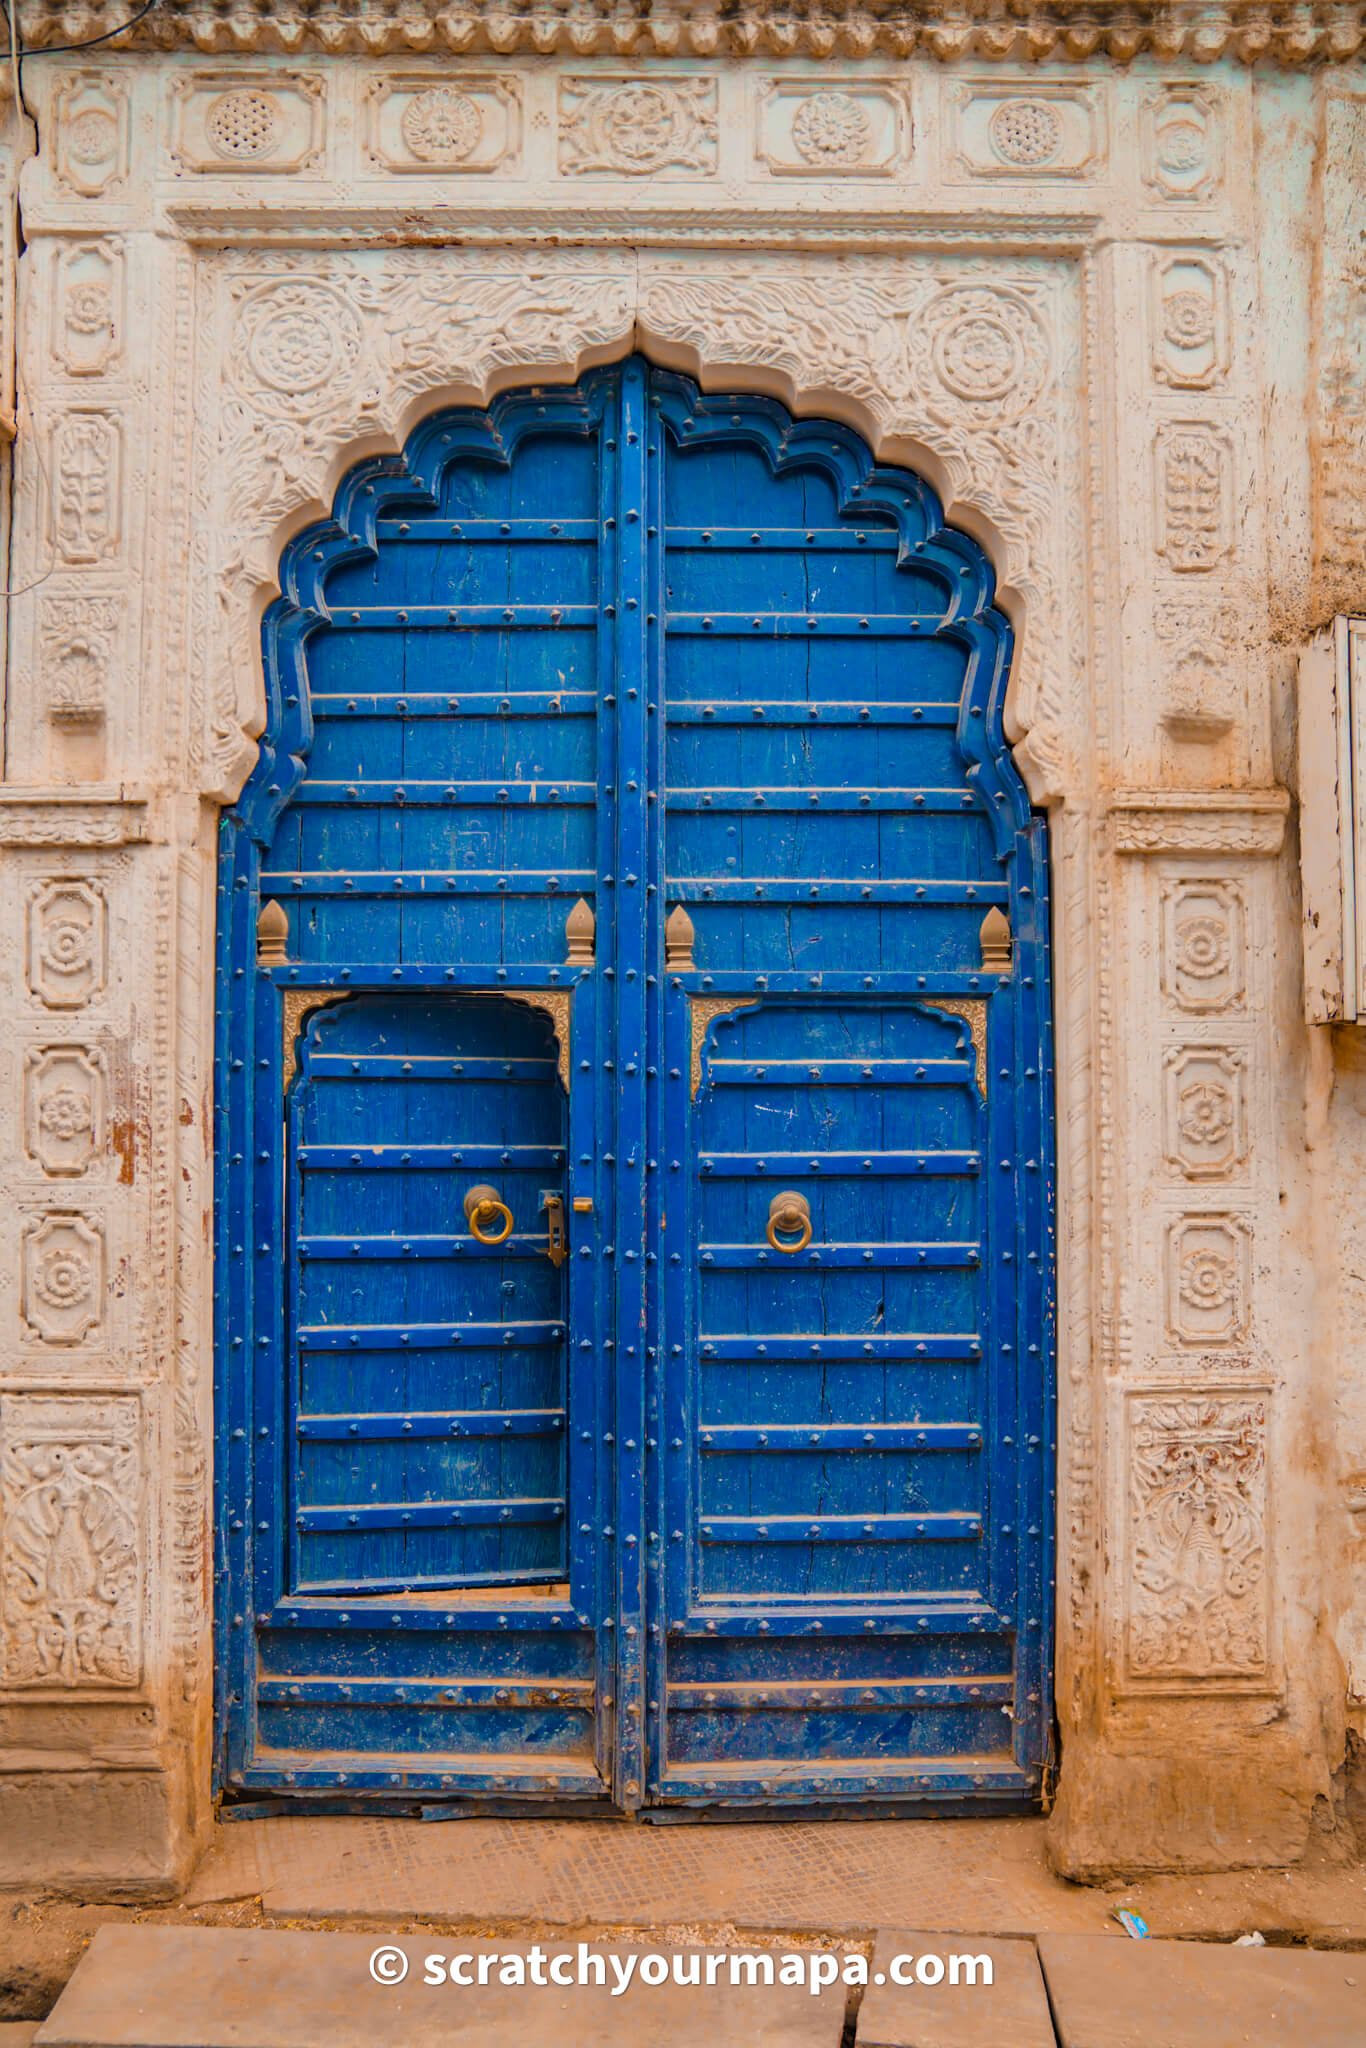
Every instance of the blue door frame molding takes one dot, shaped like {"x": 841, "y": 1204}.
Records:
{"x": 637, "y": 837}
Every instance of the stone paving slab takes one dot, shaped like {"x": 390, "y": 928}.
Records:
{"x": 212, "y": 1987}
{"x": 1009, "y": 2012}
{"x": 17, "y": 2033}
{"x": 1110, "y": 1992}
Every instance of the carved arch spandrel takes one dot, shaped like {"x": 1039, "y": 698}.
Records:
{"x": 956, "y": 367}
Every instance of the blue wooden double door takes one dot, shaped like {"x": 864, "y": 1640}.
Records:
{"x": 634, "y": 1204}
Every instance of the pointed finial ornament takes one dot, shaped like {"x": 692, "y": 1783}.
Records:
{"x": 996, "y": 942}
{"x": 272, "y": 935}
{"x": 678, "y": 942}
{"x": 580, "y": 928}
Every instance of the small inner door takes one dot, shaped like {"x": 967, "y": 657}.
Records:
{"x": 427, "y": 1178}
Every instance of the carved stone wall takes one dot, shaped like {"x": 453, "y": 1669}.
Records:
{"x": 1053, "y": 289}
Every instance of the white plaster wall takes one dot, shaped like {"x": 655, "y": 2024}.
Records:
{"x": 1088, "y": 319}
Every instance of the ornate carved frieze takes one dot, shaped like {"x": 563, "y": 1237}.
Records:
{"x": 637, "y": 127}
{"x": 71, "y": 1486}
{"x": 849, "y": 128}
{"x": 1182, "y": 141}
{"x": 1200, "y": 821}
{"x": 1189, "y": 315}
{"x": 1197, "y": 1593}
{"x": 1193, "y": 484}
{"x": 1039, "y": 131}
{"x": 63, "y": 1278}
{"x": 1204, "y": 1111}
{"x": 1208, "y": 1273}
{"x": 1204, "y": 945}
{"x": 71, "y": 817}
{"x": 64, "y": 1108}
{"x": 466, "y": 122}
{"x": 235, "y": 122}
{"x": 1001, "y": 31}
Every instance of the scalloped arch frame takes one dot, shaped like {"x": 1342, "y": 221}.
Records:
{"x": 379, "y": 485}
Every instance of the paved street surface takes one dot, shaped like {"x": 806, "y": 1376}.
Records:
{"x": 200, "y": 1987}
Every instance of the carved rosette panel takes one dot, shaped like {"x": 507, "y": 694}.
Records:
{"x": 1193, "y": 495}
{"x": 638, "y": 127}
{"x": 64, "y": 1108}
{"x": 88, "y": 314}
{"x": 1197, "y": 1596}
{"x": 291, "y": 340}
{"x": 63, "y": 1278}
{"x": 1204, "y": 1111}
{"x": 90, "y": 122}
{"x": 72, "y": 1482}
{"x": 87, "y": 464}
{"x": 1189, "y": 316}
{"x": 1204, "y": 945}
{"x": 466, "y": 122}
{"x": 233, "y": 121}
{"x": 1038, "y": 131}
{"x": 1182, "y": 141}
{"x": 855, "y": 128}
{"x": 68, "y": 926}
{"x": 77, "y": 638}
{"x": 1207, "y": 1279}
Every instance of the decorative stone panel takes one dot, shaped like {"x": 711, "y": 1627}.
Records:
{"x": 235, "y": 123}
{"x": 433, "y": 125}
{"x": 77, "y": 641}
{"x": 846, "y": 128}
{"x": 1197, "y": 1554}
{"x": 1193, "y": 487}
{"x": 1208, "y": 1279}
{"x": 1037, "y": 130}
{"x": 71, "y": 1504}
{"x": 64, "y": 1108}
{"x": 89, "y": 312}
{"x": 87, "y": 462}
{"x": 1204, "y": 1105}
{"x": 90, "y": 121}
{"x": 68, "y": 924}
{"x": 1182, "y": 142}
{"x": 638, "y": 127}
{"x": 1204, "y": 945}
{"x": 1190, "y": 338}
{"x": 63, "y": 1287}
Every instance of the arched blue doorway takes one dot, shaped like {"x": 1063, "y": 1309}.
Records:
{"x": 634, "y": 1223}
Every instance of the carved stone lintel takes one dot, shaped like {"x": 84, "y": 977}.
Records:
{"x": 1200, "y": 821}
